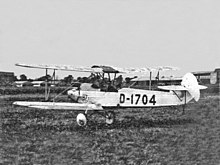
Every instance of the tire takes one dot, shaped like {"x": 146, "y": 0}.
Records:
{"x": 110, "y": 117}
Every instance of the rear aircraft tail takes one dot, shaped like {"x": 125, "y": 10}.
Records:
{"x": 190, "y": 82}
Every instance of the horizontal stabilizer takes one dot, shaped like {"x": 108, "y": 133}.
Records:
{"x": 173, "y": 88}
{"x": 202, "y": 87}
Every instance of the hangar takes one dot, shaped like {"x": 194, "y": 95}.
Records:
{"x": 211, "y": 79}
{"x": 6, "y": 78}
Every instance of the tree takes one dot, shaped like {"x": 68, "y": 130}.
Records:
{"x": 15, "y": 78}
{"x": 68, "y": 79}
{"x": 79, "y": 79}
{"x": 85, "y": 80}
{"x": 23, "y": 77}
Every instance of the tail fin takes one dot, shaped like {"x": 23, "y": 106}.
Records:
{"x": 190, "y": 82}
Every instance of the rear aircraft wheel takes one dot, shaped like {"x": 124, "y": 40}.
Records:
{"x": 81, "y": 119}
{"x": 110, "y": 117}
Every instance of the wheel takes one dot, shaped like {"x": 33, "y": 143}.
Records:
{"x": 110, "y": 117}
{"x": 81, "y": 119}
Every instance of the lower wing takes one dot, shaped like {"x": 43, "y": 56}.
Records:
{"x": 59, "y": 105}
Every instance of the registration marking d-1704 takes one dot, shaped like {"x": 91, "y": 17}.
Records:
{"x": 135, "y": 99}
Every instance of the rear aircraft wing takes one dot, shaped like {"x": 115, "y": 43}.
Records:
{"x": 173, "y": 88}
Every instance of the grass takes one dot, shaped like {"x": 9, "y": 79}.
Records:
{"x": 30, "y": 136}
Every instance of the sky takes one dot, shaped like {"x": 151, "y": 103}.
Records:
{"x": 122, "y": 33}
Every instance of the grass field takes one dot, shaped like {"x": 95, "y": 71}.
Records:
{"x": 160, "y": 136}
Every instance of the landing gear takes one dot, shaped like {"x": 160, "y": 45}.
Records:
{"x": 109, "y": 117}
{"x": 82, "y": 118}
{"x": 184, "y": 106}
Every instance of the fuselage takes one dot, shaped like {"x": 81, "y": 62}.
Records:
{"x": 128, "y": 97}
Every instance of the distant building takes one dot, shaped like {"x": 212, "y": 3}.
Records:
{"x": 19, "y": 83}
{"x": 22, "y": 83}
{"x": 6, "y": 78}
{"x": 209, "y": 78}
{"x": 34, "y": 83}
{"x": 38, "y": 83}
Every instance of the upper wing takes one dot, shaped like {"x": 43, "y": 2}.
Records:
{"x": 93, "y": 69}
{"x": 61, "y": 67}
{"x": 59, "y": 105}
{"x": 96, "y": 68}
{"x": 166, "y": 68}
{"x": 146, "y": 69}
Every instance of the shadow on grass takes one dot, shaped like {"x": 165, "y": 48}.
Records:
{"x": 132, "y": 122}
{"x": 94, "y": 125}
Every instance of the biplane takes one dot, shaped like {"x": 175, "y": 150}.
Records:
{"x": 90, "y": 100}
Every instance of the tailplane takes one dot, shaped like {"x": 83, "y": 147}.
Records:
{"x": 190, "y": 82}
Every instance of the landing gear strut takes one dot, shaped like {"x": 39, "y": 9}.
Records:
{"x": 109, "y": 117}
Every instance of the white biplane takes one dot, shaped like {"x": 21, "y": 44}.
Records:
{"x": 97, "y": 100}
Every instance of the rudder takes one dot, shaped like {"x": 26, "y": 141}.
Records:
{"x": 190, "y": 82}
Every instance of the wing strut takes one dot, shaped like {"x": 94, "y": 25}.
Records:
{"x": 184, "y": 105}
{"x": 47, "y": 87}
{"x": 150, "y": 80}
{"x": 178, "y": 95}
{"x": 113, "y": 82}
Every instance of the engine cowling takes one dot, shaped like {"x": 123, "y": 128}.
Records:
{"x": 81, "y": 119}
{"x": 73, "y": 94}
